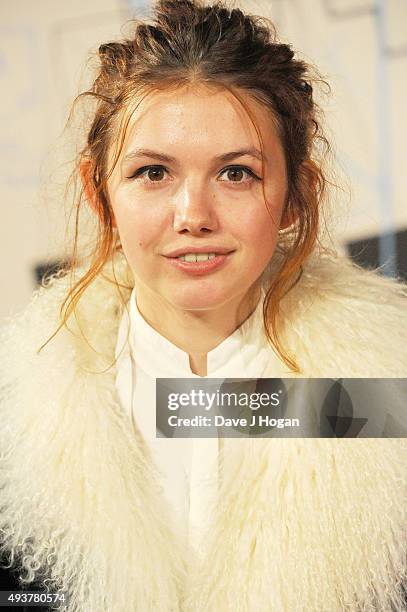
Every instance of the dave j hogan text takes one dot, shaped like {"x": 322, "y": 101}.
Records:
{"x": 218, "y": 420}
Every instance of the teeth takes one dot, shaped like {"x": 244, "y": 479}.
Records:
{"x": 193, "y": 257}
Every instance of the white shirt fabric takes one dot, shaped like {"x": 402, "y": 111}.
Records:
{"x": 188, "y": 466}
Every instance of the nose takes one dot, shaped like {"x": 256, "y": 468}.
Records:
{"x": 194, "y": 210}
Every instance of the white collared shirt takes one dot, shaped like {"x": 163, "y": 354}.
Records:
{"x": 188, "y": 466}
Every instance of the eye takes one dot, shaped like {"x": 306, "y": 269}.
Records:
{"x": 237, "y": 171}
{"x": 154, "y": 173}
{"x": 235, "y": 174}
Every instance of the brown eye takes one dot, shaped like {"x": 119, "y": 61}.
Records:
{"x": 152, "y": 174}
{"x": 235, "y": 174}
{"x": 155, "y": 174}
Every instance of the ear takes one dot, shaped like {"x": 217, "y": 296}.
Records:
{"x": 86, "y": 169}
{"x": 289, "y": 217}
{"x": 308, "y": 176}
{"x": 86, "y": 172}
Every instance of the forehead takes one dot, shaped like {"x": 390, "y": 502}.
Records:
{"x": 204, "y": 118}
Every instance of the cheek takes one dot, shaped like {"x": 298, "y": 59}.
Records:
{"x": 138, "y": 228}
{"x": 260, "y": 231}
{"x": 258, "y": 218}
{"x": 258, "y": 234}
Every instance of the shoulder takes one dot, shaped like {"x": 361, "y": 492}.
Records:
{"x": 343, "y": 320}
{"x": 94, "y": 323}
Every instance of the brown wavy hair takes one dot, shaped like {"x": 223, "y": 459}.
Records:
{"x": 188, "y": 42}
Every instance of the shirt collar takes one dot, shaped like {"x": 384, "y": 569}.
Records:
{"x": 237, "y": 355}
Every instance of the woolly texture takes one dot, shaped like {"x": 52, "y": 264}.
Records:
{"x": 301, "y": 524}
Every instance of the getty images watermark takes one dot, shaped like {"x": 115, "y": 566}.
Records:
{"x": 243, "y": 401}
{"x": 275, "y": 407}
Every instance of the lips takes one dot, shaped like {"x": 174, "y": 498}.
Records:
{"x": 217, "y": 249}
{"x": 199, "y": 268}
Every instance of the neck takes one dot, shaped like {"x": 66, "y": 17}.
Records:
{"x": 197, "y": 332}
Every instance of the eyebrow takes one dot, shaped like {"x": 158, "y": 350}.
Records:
{"x": 252, "y": 152}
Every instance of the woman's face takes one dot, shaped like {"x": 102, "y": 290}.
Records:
{"x": 184, "y": 181}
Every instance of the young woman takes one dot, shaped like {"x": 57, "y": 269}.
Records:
{"x": 203, "y": 168}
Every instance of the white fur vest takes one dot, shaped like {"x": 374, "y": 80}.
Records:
{"x": 302, "y": 524}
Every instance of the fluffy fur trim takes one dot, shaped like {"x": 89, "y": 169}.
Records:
{"x": 301, "y": 524}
